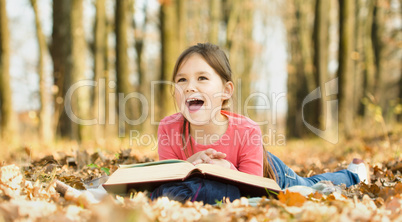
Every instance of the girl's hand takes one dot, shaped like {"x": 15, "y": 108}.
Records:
{"x": 206, "y": 156}
{"x": 221, "y": 162}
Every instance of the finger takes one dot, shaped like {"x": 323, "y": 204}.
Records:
{"x": 219, "y": 155}
{"x": 202, "y": 159}
{"x": 210, "y": 151}
{"x": 197, "y": 161}
{"x": 206, "y": 159}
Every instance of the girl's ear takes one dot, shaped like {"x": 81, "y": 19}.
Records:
{"x": 228, "y": 90}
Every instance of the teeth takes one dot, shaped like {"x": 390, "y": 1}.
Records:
{"x": 191, "y": 100}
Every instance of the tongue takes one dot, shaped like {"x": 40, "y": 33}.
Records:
{"x": 195, "y": 106}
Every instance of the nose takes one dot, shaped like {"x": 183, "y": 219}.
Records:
{"x": 190, "y": 87}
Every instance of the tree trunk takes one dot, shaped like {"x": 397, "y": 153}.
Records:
{"x": 305, "y": 29}
{"x": 360, "y": 20}
{"x": 80, "y": 100}
{"x": 100, "y": 70}
{"x": 8, "y": 118}
{"x": 306, "y": 44}
{"x": 182, "y": 23}
{"x": 233, "y": 45}
{"x": 170, "y": 52}
{"x": 300, "y": 69}
{"x": 60, "y": 49}
{"x": 379, "y": 44}
{"x": 145, "y": 79}
{"x": 45, "y": 112}
{"x": 399, "y": 116}
{"x": 321, "y": 42}
{"x": 345, "y": 71}
{"x": 215, "y": 10}
{"x": 369, "y": 63}
{"x": 127, "y": 109}
{"x": 247, "y": 76}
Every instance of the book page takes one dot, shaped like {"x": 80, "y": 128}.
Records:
{"x": 151, "y": 163}
{"x": 151, "y": 173}
{"x": 237, "y": 176}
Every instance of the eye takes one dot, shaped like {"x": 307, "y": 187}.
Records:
{"x": 181, "y": 80}
{"x": 202, "y": 78}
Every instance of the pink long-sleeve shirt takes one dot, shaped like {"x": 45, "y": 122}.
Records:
{"x": 242, "y": 142}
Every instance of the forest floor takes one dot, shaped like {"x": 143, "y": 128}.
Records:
{"x": 28, "y": 179}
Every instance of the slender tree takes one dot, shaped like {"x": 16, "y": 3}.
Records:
{"x": 239, "y": 42}
{"x": 182, "y": 22}
{"x": 248, "y": 51}
{"x": 320, "y": 37}
{"x": 80, "y": 100}
{"x": 379, "y": 45}
{"x": 215, "y": 15}
{"x": 100, "y": 69}
{"x": 128, "y": 108}
{"x": 69, "y": 58}
{"x": 140, "y": 34}
{"x": 345, "y": 71}
{"x": 60, "y": 49}
{"x": 369, "y": 69}
{"x": 399, "y": 116}
{"x": 7, "y": 118}
{"x": 45, "y": 112}
{"x": 170, "y": 51}
{"x": 357, "y": 56}
{"x": 301, "y": 79}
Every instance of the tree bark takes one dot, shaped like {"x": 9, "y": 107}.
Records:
{"x": 8, "y": 118}
{"x": 301, "y": 80}
{"x": 345, "y": 71}
{"x": 305, "y": 28}
{"x": 246, "y": 74}
{"x": 360, "y": 20}
{"x": 321, "y": 41}
{"x": 215, "y": 10}
{"x": 127, "y": 111}
{"x": 368, "y": 50}
{"x": 60, "y": 49}
{"x": 81, "y": 97}
{"x": 182, "y": 23}
{"x": 306, "y": 45}
{"x": 170, "y": 51}
{"x": 45, "y": 112}
{"x": 145, "y": 79}
{"x": 379, "y": 45}
{"x": 100, "y": 70}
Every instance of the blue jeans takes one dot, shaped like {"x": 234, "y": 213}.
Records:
{"x": 197, "y": 189}
{"x": 286, "y": 177}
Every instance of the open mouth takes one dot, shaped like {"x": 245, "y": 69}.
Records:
{"x": 194, "y": 104}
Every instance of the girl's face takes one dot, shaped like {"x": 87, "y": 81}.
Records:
{"x": 200, "y": 91}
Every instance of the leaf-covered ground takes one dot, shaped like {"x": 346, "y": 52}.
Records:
{"x": 28, "y": 187}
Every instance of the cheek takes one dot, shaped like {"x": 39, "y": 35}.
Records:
{"x": 178, "y": 97}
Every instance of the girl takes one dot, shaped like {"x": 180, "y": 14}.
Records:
{"x": 204, "y": 132}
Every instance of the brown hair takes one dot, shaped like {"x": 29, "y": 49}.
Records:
{"x": 217, "y": 59}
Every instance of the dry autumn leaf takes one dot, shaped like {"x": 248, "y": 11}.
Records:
{"x": 291, "y": 198}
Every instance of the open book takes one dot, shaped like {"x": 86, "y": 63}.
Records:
{"x": 148, "y": 176}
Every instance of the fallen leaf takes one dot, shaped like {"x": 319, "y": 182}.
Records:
{"x": 291, "y": 198}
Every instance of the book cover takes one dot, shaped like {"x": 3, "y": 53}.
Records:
{"x": 148, "y": 176}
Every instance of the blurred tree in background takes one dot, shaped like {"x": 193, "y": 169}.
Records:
{"x": 45, "y": 111}
{"x": 134, "y": 44}
{"x": 7, "y": 117}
